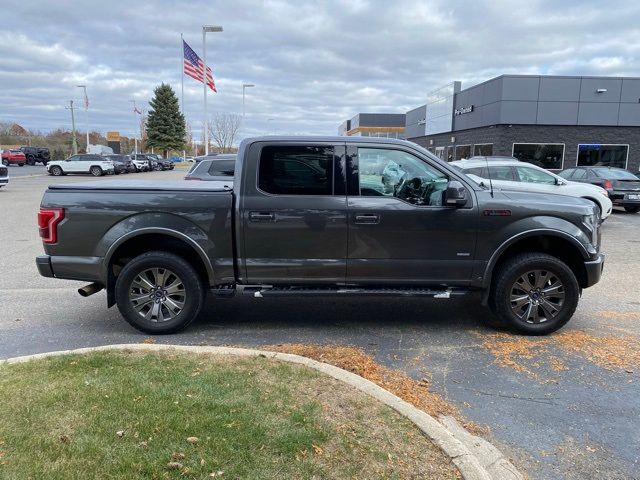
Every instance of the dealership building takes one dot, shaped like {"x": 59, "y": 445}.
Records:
{"x": 552, "y": 121}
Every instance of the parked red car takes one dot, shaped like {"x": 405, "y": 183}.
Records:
{"x": 13, "y": 157}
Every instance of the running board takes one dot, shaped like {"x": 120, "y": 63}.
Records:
{"x": 260, "y": 292}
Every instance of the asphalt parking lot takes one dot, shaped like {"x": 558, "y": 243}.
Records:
{"x": 564, "y": 406}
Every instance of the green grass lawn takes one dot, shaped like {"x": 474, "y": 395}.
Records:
{"x": 130, "y": 415}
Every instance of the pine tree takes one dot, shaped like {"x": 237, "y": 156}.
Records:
{"x": 166, "y": 128}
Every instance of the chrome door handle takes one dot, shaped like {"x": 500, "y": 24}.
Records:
{"x": 367, "y": 219}
{"x": 262, "y": 216}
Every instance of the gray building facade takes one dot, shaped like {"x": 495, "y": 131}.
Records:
{"x": 387, "y": 125}
{"x": 552, "y": 121}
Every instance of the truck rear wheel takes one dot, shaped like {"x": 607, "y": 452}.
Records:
{"x": 534, "y": 293}
{"x": 159, "y": 293}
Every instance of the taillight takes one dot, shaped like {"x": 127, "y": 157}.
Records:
{"x": 607, "y": 184}
{"x": 48, "y": 220}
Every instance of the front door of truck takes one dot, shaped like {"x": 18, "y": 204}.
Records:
{"x": 400, "y": 231}
{"x": 293, "y": 213}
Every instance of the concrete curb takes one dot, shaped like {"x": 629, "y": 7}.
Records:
{"x": 482, "y": 463}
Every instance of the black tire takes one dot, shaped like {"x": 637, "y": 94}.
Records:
{"x": 21, "y": 164}
{"x": 632, "y": 209}
{"x": 540, "y": 299}
{"x": 56, "y": 171}
{"x": 30, "y": 160}
{"x": 5, "y": 162}
{"x": 193, "y": 292}
{"x": 96, "y": 171}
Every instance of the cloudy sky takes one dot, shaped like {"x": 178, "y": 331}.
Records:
{"x": 314, "y": 64}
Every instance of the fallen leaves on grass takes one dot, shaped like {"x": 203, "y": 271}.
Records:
{"x": 65, "y": 439}
{"x": 174, "y": 465}
{"x": 149, "y": 340}
{"x": 192, "y": 440}
{"x": 120, "y": 433}
{"x": 355, "y": 360}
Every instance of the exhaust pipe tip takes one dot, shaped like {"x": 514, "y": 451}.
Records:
{"x": 90, "y": 289}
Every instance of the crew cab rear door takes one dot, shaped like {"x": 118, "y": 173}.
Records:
{"x": 400, "y": 233}
{"x": 293, "y": 213}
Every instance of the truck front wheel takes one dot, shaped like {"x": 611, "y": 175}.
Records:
{"x": 159, "y": 293}
{"x": 534, "y": 293}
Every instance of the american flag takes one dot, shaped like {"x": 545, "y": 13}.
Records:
{"x": 193, "y": 66}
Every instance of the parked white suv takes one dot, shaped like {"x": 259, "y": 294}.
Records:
{"x": 82, "y": 163}
{"x": 511, "y": 174}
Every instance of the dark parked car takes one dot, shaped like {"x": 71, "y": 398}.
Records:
{"x": 121, "y": 163}
{"x": 36, "y": 155}
{"x": 13, "y": 157}
{"x": 220, "y": 167}
{"x": 623, "y": 186}
{"x": 159, "y": 248}
{"x": 164, "y": 164}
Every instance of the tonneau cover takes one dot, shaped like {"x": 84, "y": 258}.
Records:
{"x": 148, "y": 185}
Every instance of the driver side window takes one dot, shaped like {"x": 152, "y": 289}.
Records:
{"x": 393, "y": 173}
{"x": 531, "y": 175}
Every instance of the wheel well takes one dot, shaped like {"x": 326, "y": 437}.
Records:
{"x": 148, "y": 242}
{"x": 555, "y": 246}
{"x": 592, "y": 200}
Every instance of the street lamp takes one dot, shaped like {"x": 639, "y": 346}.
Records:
{"x": 86, "y": 112}
{"x": 245, "y": 86}
{"x": 206, "y": 29}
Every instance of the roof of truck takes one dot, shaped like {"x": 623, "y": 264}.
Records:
{"x": 327, "y": 138}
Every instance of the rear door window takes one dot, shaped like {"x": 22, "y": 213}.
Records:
{"x": 296, "y": 170}
{"x": 531, "y": 175}
{"x": 502, "y": 172}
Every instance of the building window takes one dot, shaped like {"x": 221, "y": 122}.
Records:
{"x": 463, "y": 151}
{"x": 545, "y": 155}
{"x": 603, "y": 155}
{"x": 483, "y": 149}
{"x": 450, "y": 151}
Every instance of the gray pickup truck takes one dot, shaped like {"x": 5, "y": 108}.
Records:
{"x": 331, "y": 216}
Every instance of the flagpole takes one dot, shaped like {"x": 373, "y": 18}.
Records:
{"x": 204, "y": 81}
{"x": 182, "y": 70}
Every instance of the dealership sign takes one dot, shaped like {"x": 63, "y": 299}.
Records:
{"x": 463, "y": 110}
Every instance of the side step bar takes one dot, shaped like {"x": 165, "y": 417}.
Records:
{"x": 261, "y": 292}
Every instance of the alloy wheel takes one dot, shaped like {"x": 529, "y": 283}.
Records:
{"x": 537, "y": 296}
{"x": 157, "y": 294}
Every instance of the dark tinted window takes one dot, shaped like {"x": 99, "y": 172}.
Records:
{"x": 605, "y": 155}
{"x": 222, "y": 168}
{"x": 544, "y": 155}
{"x": 296, "y": 170}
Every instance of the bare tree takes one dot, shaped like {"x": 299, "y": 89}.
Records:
{"x": 224, "y": 130}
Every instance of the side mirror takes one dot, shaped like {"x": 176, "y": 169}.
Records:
{"x": 456, "y": 194}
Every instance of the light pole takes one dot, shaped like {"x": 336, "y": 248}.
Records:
{"x": 74, "y": 143}
{"x": 205, "y": 29}
{"x": 135, "y": 137}
{"x": 86, "y": 112}
{"x": 245, "y": 86}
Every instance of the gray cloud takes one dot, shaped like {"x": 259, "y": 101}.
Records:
{"x": 313, "y": 63}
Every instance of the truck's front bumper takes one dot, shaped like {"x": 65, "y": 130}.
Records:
{"x": 594, "y": 270}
